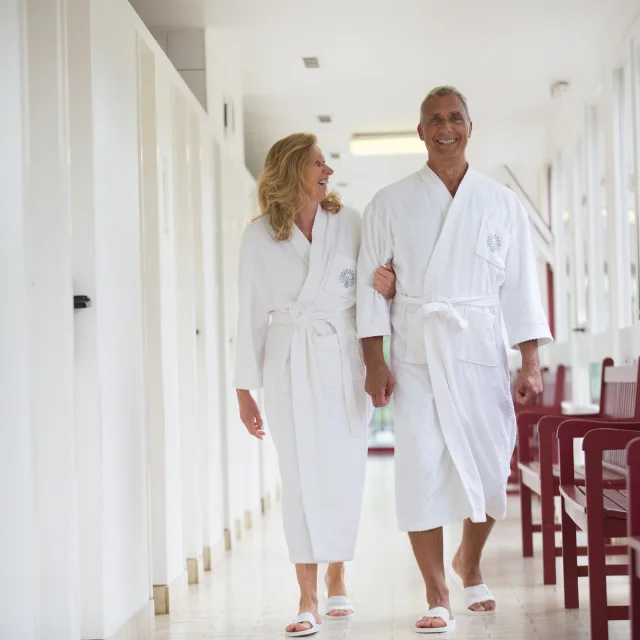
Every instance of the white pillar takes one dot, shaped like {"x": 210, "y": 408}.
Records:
{"x": 86, "y": 379}
{"x": 50, "y": 322}
{"x": 18, "y": 601}
{"x": 192, "y": 528}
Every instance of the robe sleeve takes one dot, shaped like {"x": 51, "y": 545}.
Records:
{"x": 522, "y": 309}
{"x": 253, "y": 321}
{"x": 372, "y": 310}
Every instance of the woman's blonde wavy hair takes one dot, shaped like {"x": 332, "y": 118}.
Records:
{"x": 281, "y": 188}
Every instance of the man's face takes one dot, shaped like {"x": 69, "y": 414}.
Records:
{"x": 445, "y": 128}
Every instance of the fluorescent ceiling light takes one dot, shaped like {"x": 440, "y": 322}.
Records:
{"x": 386, "y": 144}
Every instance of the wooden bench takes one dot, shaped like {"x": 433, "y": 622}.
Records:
{"x": 538, "y": 459}
{"x": 555, "y": 391}
{"x": 633, "y": 522}
{"x": 598, "y": 510}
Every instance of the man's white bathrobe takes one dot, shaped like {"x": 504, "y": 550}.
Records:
{"x": 459, "y": 262}
{"x": 297, "y": 339}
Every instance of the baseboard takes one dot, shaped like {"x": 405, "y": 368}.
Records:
{"x": 164, "y": 594}
{"x": 195, "y": 568}
{"x": 140, "y": 626}
{"x": 161, "y": 600}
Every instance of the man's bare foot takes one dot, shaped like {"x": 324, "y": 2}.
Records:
{"x": 471, "y": 576}
{"x": 334, "y": 580}
{"x": 306, "y": 606}
{"x": 440, "y": 600}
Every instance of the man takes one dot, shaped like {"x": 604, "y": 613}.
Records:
{"x": 462, "y": 254}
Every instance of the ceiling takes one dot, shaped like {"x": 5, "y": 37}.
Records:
{"x": 377, "y": 61}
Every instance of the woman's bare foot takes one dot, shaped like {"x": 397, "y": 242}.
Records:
{"x": 334, "y": 580}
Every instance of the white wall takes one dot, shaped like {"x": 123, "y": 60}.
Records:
{"x": 17, "y": 550}
{"x": 118, "y": 310}
{"x": 50, "y": 322}
{"x": 117, "y": 189}
{"x": 567, "y": 133}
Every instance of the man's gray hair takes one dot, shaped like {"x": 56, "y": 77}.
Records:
{"x": 440, "y": 92}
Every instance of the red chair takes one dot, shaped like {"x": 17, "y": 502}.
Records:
{"x": 600, "y": 511}
{"x": 538, "y": 459}
{"x": 633, "y": 522}
{"x": 549, "y": 402}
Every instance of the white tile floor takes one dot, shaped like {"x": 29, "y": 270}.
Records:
{"x": 252, "y": 593}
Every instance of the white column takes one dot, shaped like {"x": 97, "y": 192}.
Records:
{"x": 50, "y": 322}
{"x": 18, "y": 602}
{"x": 86, "y": 379}
{"x": 214, "y": 380}
{"x": 192, "y": 529}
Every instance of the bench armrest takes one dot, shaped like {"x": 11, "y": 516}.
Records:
{"x": 527, "y": 420}
{"x": 574, "y": 428}
{"x": 611, "y": 438}
{"x": 633, "y": 484}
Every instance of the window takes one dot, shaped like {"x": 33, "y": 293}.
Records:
{"x": 625, "y": 189}
{"x": 597, "y": 242}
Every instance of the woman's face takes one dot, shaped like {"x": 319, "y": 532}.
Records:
{"x": 316, "y": 175}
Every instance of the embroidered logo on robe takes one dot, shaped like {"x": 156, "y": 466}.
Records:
{"x": 493, "y": 242}
{"x": 347, "y": 278}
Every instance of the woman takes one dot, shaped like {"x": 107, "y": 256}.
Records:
{"x": 296, "y": 338}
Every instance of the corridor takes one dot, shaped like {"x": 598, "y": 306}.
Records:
{"x": 249, "y": 594}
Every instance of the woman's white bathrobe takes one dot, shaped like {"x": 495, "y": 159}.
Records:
{"x": 297, "y": 340}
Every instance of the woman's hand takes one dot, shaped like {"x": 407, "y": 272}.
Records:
{"x": 384, "y": 281}
{"x": 249, "y": 413}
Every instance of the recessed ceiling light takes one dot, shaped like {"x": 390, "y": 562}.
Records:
{"x": 342, "y": 185}
{"x": 386, "y": 144}
{"x": 311, "y": 63}
{"x": 335, "y": 156}
{"x": 324, "y": 118}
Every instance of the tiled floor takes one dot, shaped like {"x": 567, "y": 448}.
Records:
{"x": 252, "y": 593}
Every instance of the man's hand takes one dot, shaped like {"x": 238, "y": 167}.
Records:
{"x": 379, "y": 383}
{"x": 529, "y": 383}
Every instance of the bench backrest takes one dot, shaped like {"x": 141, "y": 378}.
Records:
{"x": 556, "y": 387}
{"x": 619, "y": 399}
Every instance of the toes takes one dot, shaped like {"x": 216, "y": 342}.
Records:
{"x": 431, "y": 623}
{"x": 338, "y": 613}
{"x": 478, "y": 607}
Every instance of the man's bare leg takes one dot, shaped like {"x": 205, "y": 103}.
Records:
{"x": 466, "y": 562}
{"x": 428, "y": 550}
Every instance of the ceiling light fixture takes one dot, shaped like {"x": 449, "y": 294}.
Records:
{"x": 311, "y": 63}
{"x": 335, "y": 156}
{"x": 386, "y": 144}
{"x": 324, "y": 118}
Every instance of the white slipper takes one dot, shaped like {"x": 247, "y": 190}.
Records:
{"x": 473, "y": 595}
{"x": 438, "y": 612}
{"x": 301, "y": 619}
{"x": 339, "y": 603}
